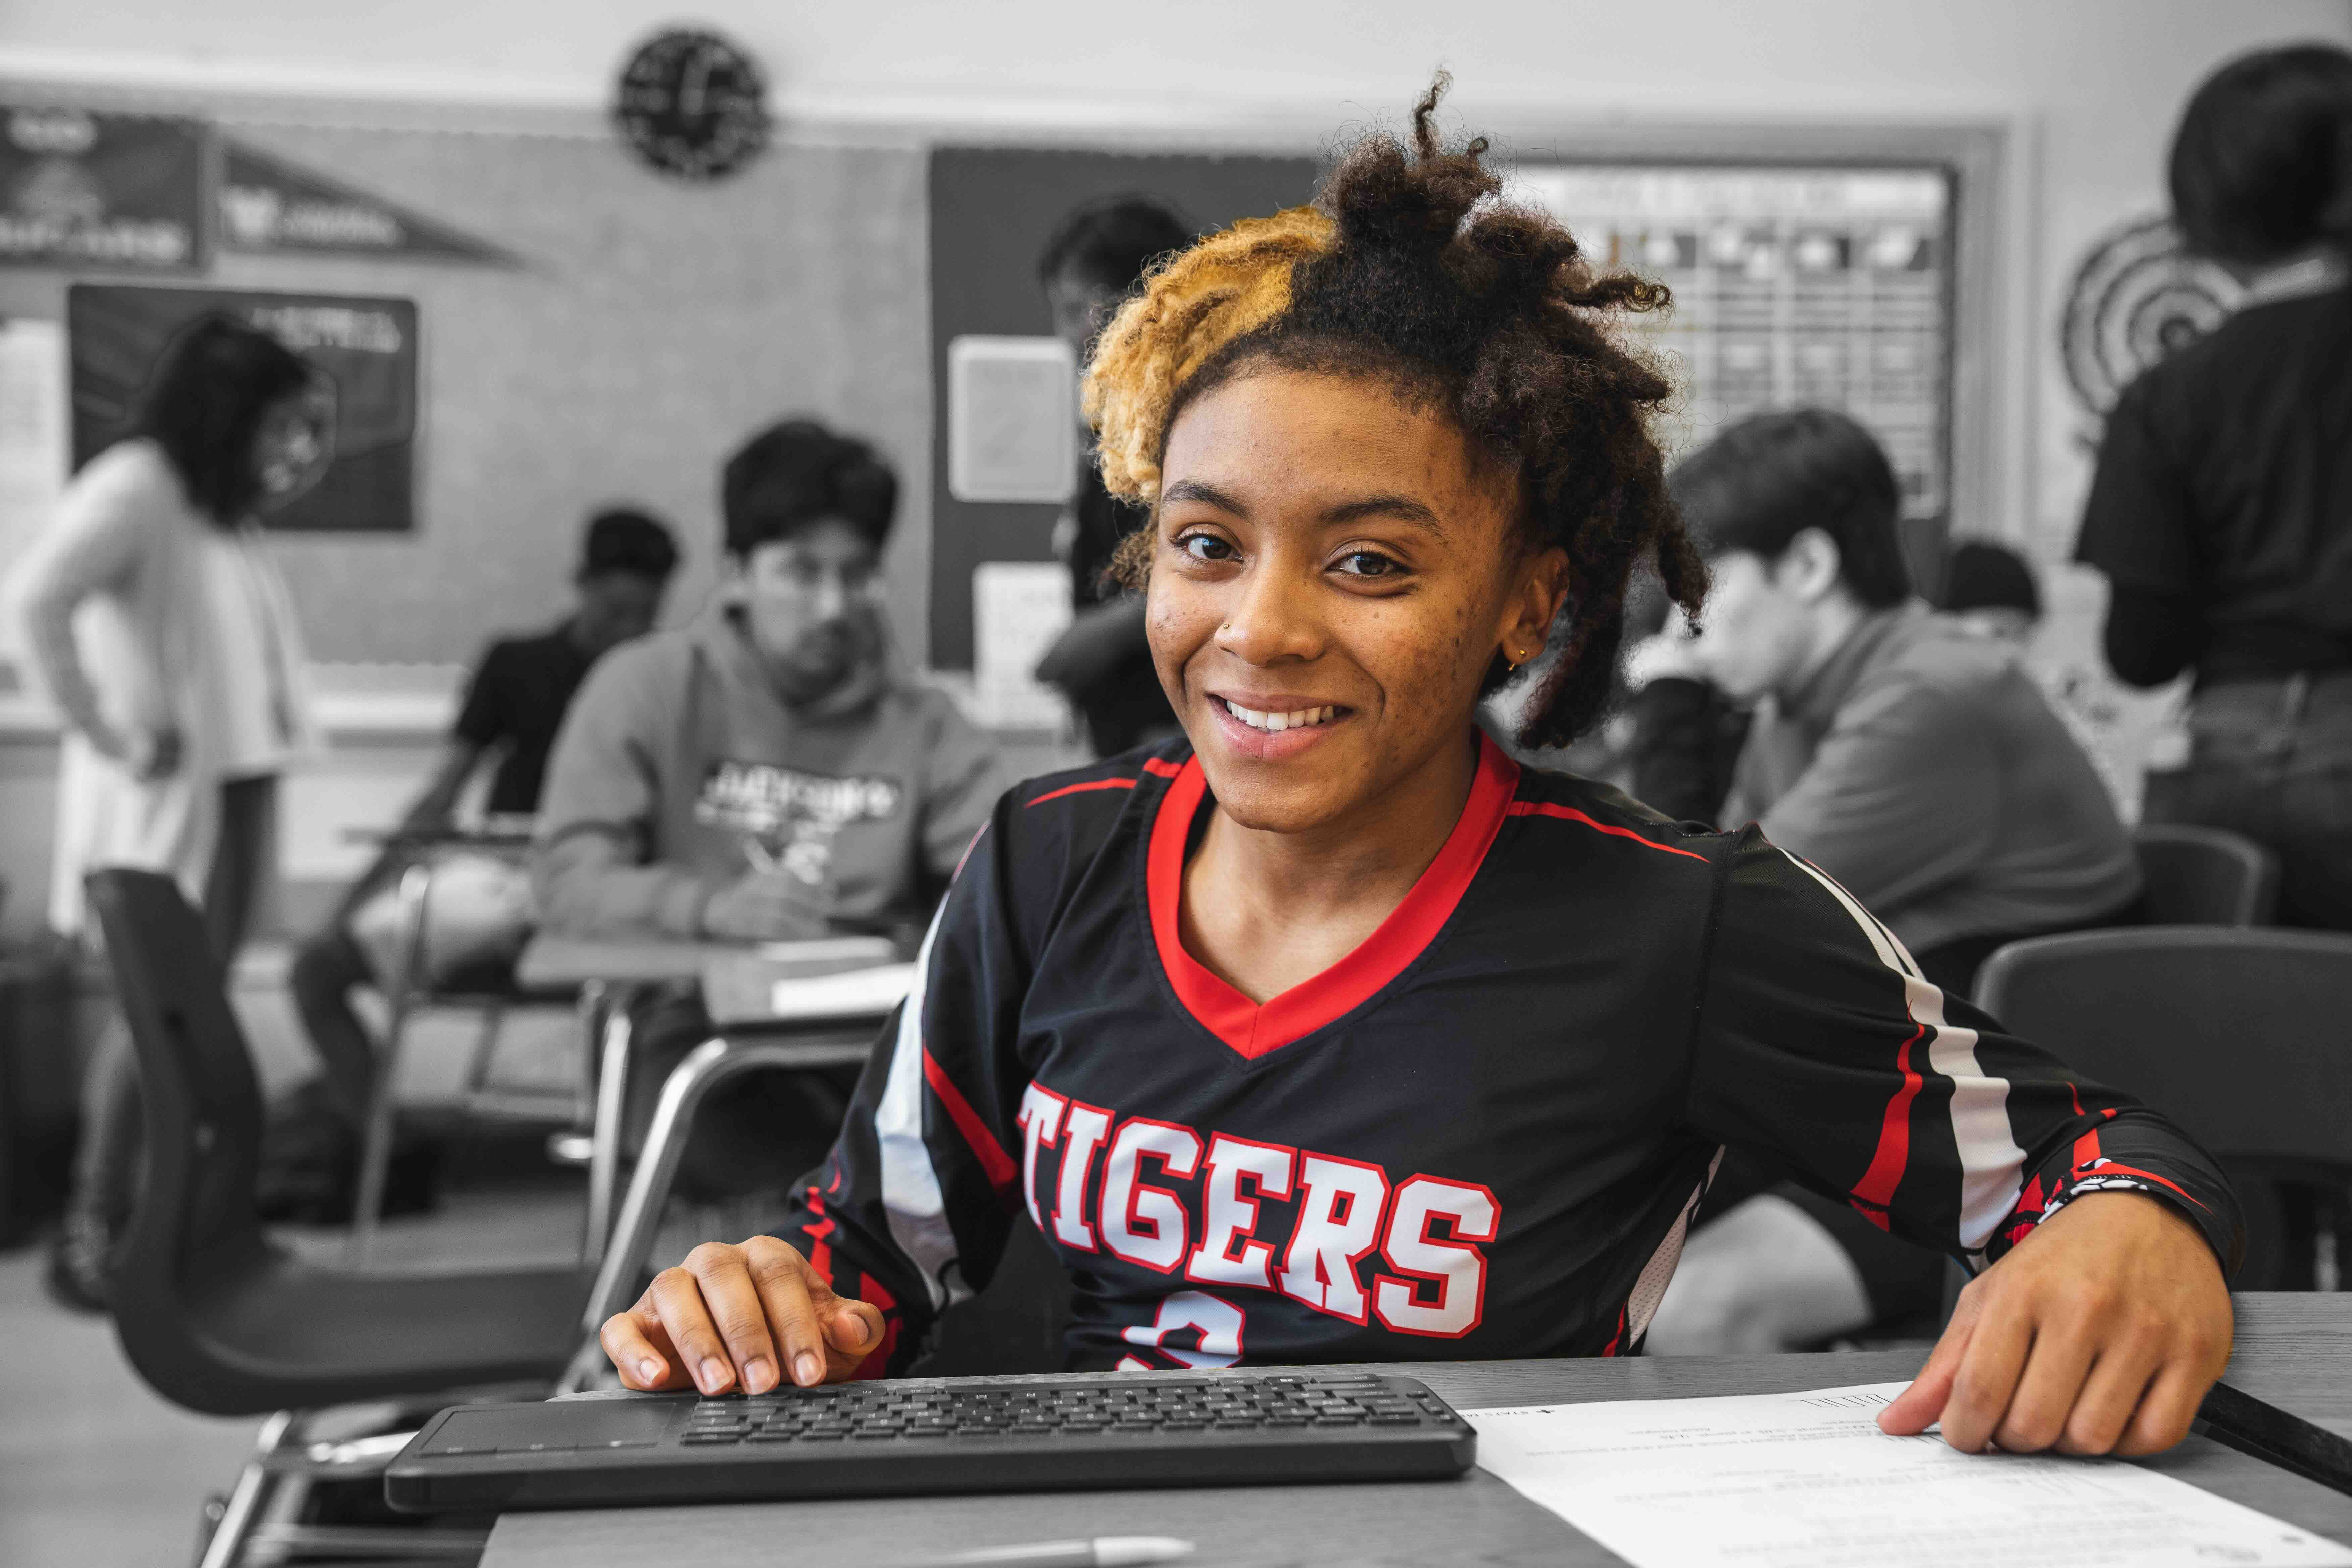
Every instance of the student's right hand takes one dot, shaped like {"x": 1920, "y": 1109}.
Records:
{"x": 731, "y": 1316}
{"x": 765, "y": 906}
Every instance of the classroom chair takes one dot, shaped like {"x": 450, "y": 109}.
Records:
{"x": 219, "y": 1319}
{"x": 2235, "y": 1034}
{"x": 2204, "y": 876}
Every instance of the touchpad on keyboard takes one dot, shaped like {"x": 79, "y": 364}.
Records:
{"x": 575, "y": 1424}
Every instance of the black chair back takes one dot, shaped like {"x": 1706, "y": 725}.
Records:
{"x": 2237, "y": 1034}
{"x": 195, "y": 1217}
{"x": 2205, "y": 876}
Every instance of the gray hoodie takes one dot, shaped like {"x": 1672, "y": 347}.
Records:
{"x": 679, "y": 768}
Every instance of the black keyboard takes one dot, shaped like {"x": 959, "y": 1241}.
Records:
{"x": 1128, "y": 1429}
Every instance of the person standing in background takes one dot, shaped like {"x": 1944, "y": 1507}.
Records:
{"x": 2222, "y": 508}
{"x": 158, "y": 625}
{"x": 513, "y": 707}
{"x": 1094, "y": 261}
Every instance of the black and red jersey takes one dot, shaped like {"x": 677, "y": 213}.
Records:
{"x": 1480, "y": 1134}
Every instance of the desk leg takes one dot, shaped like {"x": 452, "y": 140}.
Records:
{"x": 612, "y": 1059}
{"x": 375, "y": 1147}
{"x": 226, "y": 1546}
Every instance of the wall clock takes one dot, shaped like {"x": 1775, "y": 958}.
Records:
{"x": 693, "y": 105}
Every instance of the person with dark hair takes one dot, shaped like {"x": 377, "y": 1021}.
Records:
{"x": 1326, "y": 1031}
{"x": 770, "y": 774}
{"x": 520, "y": 690}
{"x": 2221, "y": 507}
{"x": 1910, "y": 758}
{"x": 1917, "y": 764}
{"x": 162, "y": 631}
{"x": 1093, "y": 261}
{"x": 1992, "y": 590}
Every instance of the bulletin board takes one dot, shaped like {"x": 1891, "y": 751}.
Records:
{"x": 992, "y": 211}
{"x": 1819, "y": 285}
{"x": 641, "y": 331}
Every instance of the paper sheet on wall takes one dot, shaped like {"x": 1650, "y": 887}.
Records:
{"x": 1807, "y": 1480}
{"x": 1018, "y": 609}
{"x": 33, "y": 439}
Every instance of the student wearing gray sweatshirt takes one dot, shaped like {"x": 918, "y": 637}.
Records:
{"x": 769, "y": 772}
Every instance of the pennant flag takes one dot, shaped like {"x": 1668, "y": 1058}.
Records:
{"x": 268, "y": 207}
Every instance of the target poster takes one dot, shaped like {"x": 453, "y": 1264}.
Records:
{"x": 367, "y": 346}
{"x": 1827, "y": 286}
{"x": 2138, "y": 297}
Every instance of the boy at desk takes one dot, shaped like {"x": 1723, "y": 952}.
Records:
{"x": 771, "y": 774}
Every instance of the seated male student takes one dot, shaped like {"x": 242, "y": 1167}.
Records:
{"x": 513, "y": 704}
{"x": 771, "y": 773}
{"x": 1912, "y": 759}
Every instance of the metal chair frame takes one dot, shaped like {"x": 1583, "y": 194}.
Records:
{"x": 405, "y": 996}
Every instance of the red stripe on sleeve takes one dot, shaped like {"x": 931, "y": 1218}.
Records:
{"x": 876, "y": 1364}
{"x": 984, "y": 1147}
{"x": 1569, "y": 813}
{"x": 1082, "y": 788}
{"x": 1161, "y": 767}
{"x": 2086, "y": 1147}
{"x": 1894, "y": 1153}
{"x": 819, "y": 1234}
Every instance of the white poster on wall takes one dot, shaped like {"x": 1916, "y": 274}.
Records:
{"x": 1018, "y": 609}
{"x": 1012, "y": 419}
{"x": 35, "y": 445}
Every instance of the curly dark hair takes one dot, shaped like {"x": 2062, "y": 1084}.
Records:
{"x": 1409, "y": 267}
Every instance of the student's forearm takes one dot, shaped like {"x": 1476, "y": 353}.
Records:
{"x": 458, "y": 760}
{"x": 585, "y": 887}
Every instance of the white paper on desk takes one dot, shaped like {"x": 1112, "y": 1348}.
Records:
{"x": 854, "y": 992}
{"x": 1807, "y": 1480}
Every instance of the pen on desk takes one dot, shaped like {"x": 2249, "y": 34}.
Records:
{"x": 2256, "y": 1428}
{"x": 1102, "y": 1551}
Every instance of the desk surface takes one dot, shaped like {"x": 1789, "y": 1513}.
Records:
{"x": 554, "y": 963}
{"x": 2293, "y": 1350}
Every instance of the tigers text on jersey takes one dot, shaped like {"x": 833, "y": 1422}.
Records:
{"x": 1479, "y": 1134}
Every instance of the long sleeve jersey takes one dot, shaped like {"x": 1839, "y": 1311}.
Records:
{"x": 1480, "y": 1134}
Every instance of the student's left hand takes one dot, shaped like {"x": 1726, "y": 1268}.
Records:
{"x": 2098, "y": 1333}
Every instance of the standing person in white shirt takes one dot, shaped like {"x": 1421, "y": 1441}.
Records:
{"x": 158, "y": 625}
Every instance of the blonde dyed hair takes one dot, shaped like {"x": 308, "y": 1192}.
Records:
{"x": 1409, "y": 267}
{"x": 1192, "y": 307}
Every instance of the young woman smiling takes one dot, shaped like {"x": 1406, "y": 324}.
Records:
{"x": 1330, "y": 1035}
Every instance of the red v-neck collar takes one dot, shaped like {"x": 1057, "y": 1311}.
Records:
{"x": 1254, "y": 1030}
